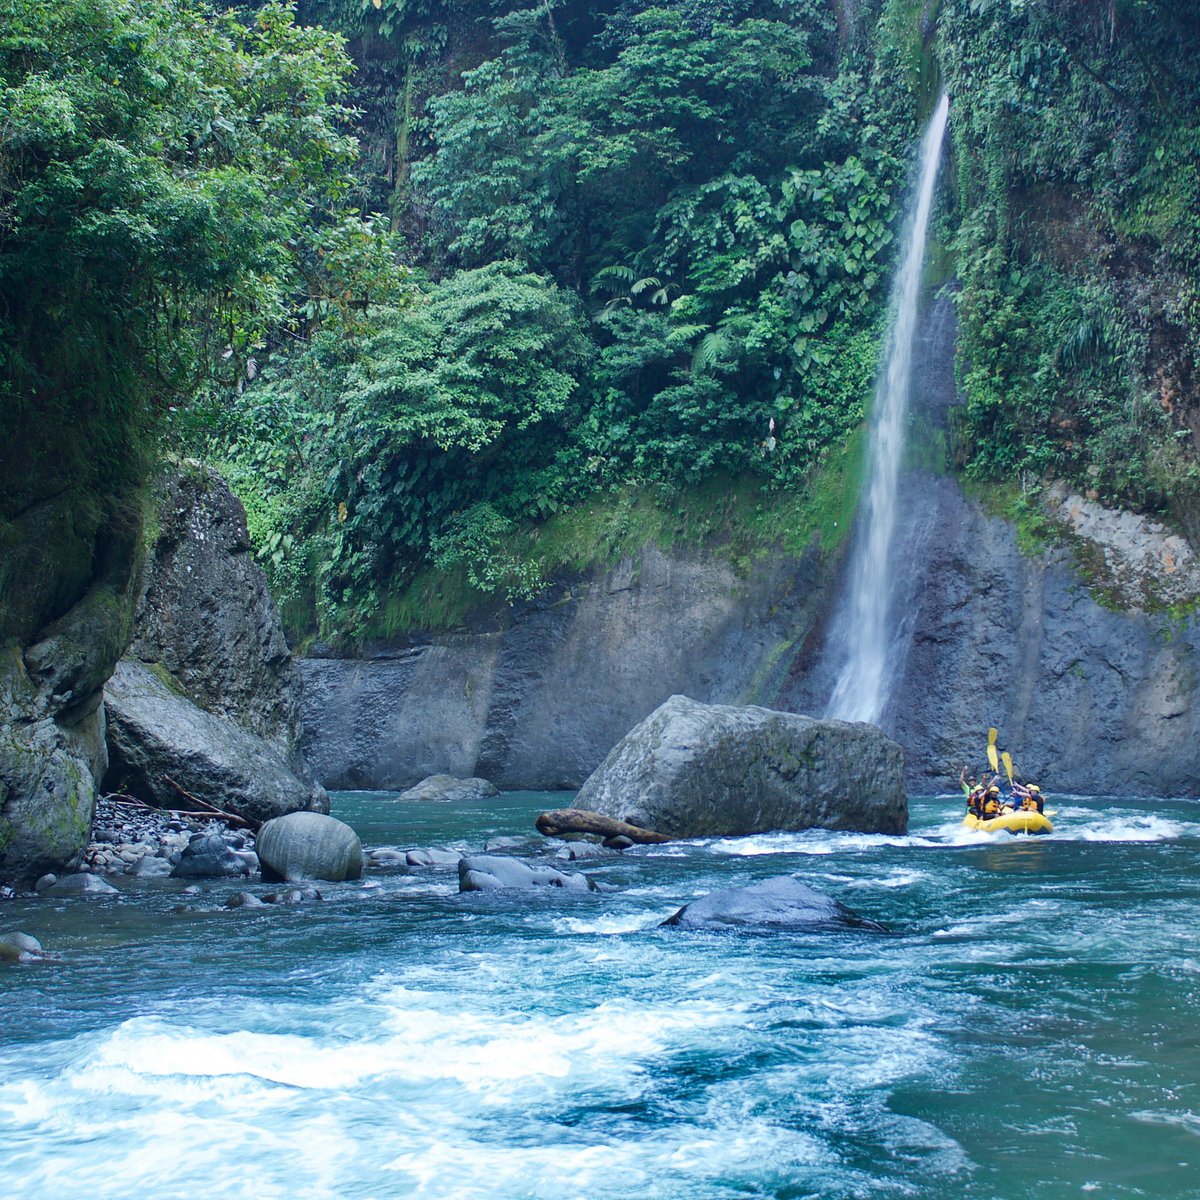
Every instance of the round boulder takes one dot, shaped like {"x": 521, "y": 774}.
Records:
{"x": 308, "y": 845}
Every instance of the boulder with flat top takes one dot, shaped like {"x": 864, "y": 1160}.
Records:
{"x": 722, "y": 770}
{"x": 782, "y": 903}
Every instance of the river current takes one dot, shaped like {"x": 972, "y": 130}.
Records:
{"x": 1028, "y": 1029}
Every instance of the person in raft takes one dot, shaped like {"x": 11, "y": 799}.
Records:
{"x": 983, "y": 799}
{"x": 1027, "y": 797}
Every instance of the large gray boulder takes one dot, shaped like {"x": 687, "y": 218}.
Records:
{"x": 720, "y": 770}
{"x": 162, "y": 745}
{"x": 205, "y": 615}
{"x": 450, "y": 789}
{"x": 309, "y": 846}
{"x": 779, "y": 903}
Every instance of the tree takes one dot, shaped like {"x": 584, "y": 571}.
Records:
{"x": 171, "y": 181}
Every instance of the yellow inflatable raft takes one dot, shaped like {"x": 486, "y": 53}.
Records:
{"x": 1021, "y": 821}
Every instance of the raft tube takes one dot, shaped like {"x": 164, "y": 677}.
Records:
{"x": 1021, "y": 821}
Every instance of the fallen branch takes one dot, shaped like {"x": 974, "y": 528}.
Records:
{"x": 212, "y": 809}
{"x": 579, "y": 820}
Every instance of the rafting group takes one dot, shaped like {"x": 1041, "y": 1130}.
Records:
{"x": 1021, "y": 810}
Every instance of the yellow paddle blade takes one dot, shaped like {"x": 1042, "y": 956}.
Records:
{"x": 991, "y": 737}
{"x": 1007, "y": 759}
{"x": 992, "y": 756}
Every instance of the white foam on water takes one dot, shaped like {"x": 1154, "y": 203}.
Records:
{"x": 1127, "y": 827}
{"x": 1181, "y": 1120}
{"x": 611, "y": 924}
{"x": 895, "y": 879}
{"x": 815, "y": 842}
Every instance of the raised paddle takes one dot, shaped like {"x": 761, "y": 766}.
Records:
{"x": 991, "y": 753}
{"x": 1007, "y": 759}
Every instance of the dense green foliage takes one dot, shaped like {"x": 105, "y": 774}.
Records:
{"x": 650, "y": 243}
{"x": 697, "y": 202}
{"x": 1077, "y": 139}
{"x": 172, "y": 187}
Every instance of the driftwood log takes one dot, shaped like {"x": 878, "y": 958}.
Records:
{"x": 579, "y": 820}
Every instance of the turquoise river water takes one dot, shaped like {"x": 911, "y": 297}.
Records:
{"x": 1031, "y": 1028}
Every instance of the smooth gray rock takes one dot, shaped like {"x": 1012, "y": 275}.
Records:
{"x": 207, "y": 856}
{"x": 82, "y": 883}
{"x": 19, "y": 947}
{"x": 157, "y": 735}
{"x": 243, "y": 900}
{"x": 449, "y": 789}
{"x": 309, "y": 846}
{"x": 44, "y": 882}
{"x": 483, "y": 872}
{"x": 780, "y": 903}
{"x": 432, "y": 858}
{"x": 716, "y": 770}
{"x": 149, "y": 866}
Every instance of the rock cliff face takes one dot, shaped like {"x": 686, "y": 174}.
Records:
{"x": 1087, "y": 697}
{"x": 538, "y": 696}
{"x": 68, "y": 581}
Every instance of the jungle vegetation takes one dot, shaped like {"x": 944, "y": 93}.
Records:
{"x": 434, "y": 280}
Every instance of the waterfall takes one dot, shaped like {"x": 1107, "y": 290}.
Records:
{"x": 862, "y": 686}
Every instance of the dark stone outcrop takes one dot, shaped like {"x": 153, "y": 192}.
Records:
{"x": 208, "y": 856}
{"x": 207, "y": 700}
{"x": 206, "y": 617}
{"x": 164, "y": 747}
{"x": 450, "y": 790}
{"x": 489, "y": 872}
{"x": 780, "y": 903}
{"x": 306, "y": 845}
{"x": 712, "y": 770}
{"x": 68, "y": 582}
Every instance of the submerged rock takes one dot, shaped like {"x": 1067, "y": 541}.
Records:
{"x": 306, "y": 845}
{"x": 779, "y": 903}
{"x": 82, "y": 883}
{"x": 432, "y": 858}
{"x": 450, "y": 789}
{"x": 720, "y": 770}
{"x": 20, "y": 947}
{"x": 487, "y": 872}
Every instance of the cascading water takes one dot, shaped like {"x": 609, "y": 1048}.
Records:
{"x": 862, "y": 685}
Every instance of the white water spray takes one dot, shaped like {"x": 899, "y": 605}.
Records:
{"x": 862, "y": 686}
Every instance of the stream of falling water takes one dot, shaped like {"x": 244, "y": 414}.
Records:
{"x": 862, "y": 686}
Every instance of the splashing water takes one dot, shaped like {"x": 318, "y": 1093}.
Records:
{"x": 862, "y": 686}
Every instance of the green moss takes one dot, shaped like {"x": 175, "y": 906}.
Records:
{"x": 166, "y": 679}
{"x": 739, "y": 520}
{"x": 999, "y": 498}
